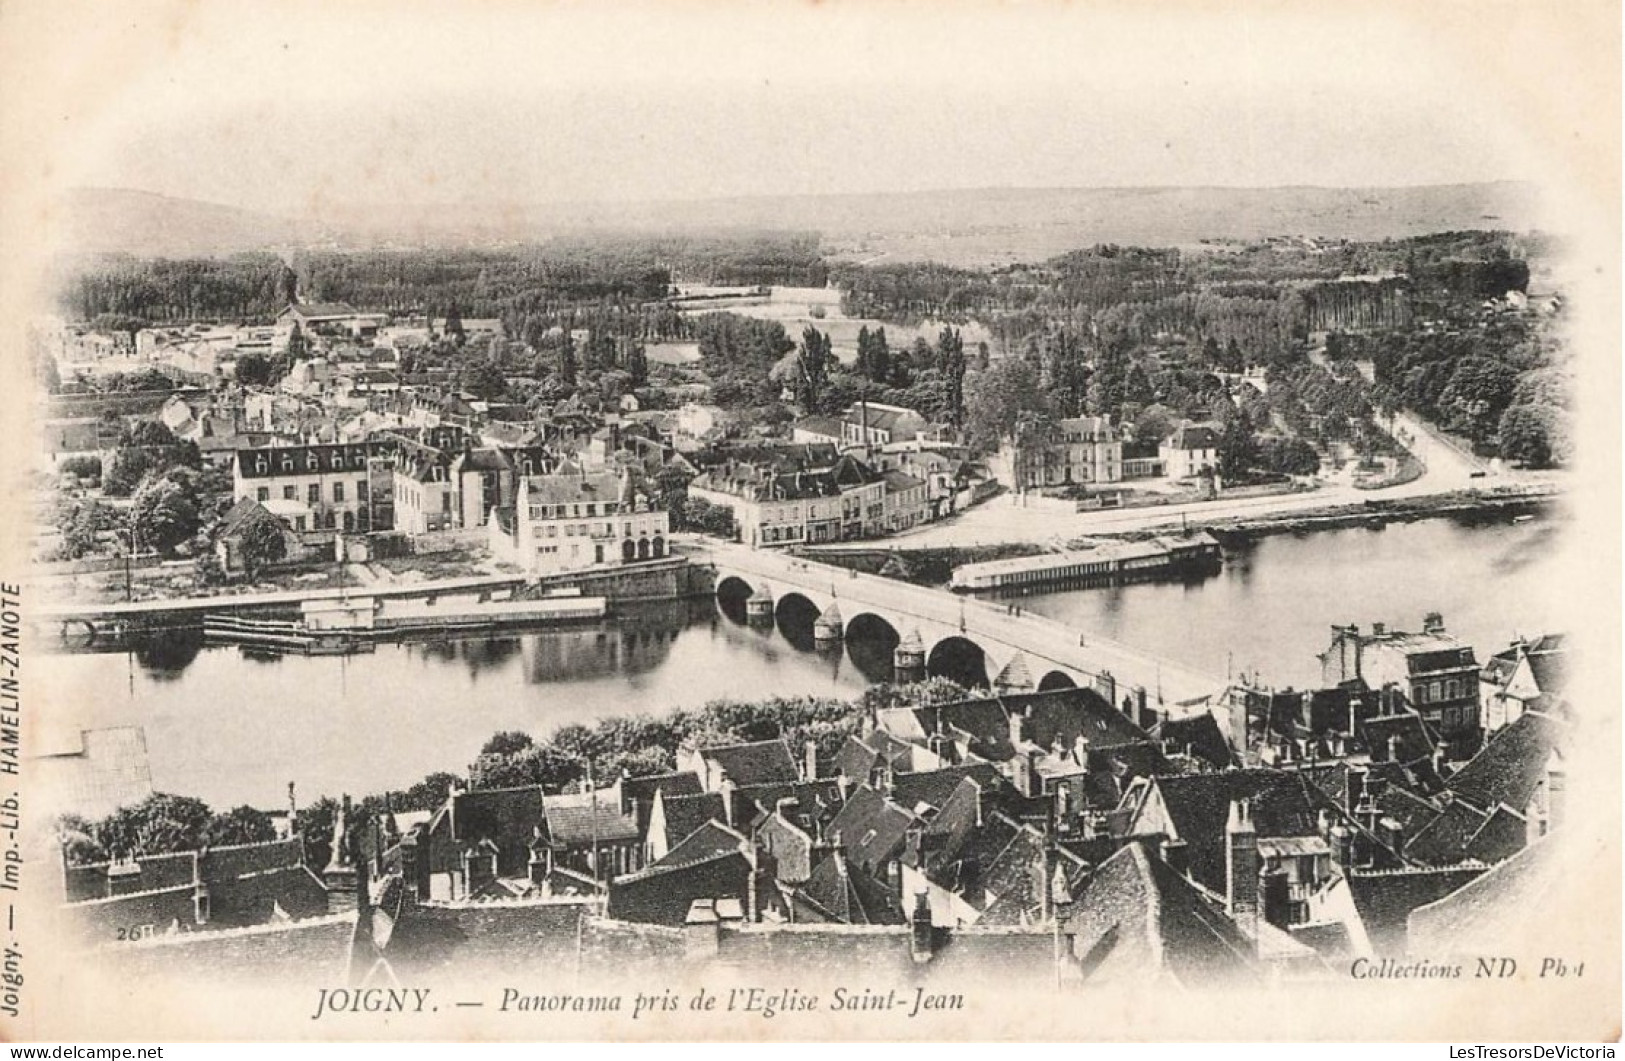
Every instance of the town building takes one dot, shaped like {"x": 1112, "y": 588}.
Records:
{"x": 784, "y": 499}
{"x": 572, "y": 522}
{"x": 1086, "y": 451}
{"x": 1192, "y": 450}
{"x": 337, "y": 482}
{"x": 1531, "y": 675}
{"x": 1434, "y": 670}
{"x": 329, "y": 320}
{"x": 871, "y": 424}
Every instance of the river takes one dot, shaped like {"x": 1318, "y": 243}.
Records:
{"x": 232, "y": 728}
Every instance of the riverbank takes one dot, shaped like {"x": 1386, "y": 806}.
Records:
{"x": 1381, "y": 513}
{"x": 934, "y": 566}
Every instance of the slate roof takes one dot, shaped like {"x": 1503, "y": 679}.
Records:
{"x": 567, "y": 489}
{"x": 1511, "y": 764}
{"x": 855, "y": 760}
{"x": 817, "y": 801}
{"x": 1200, "y": 735}
{"x": 935, "y": 787}
{"x": 582, "y": 817}
{"x": 1551, "y": 670}
{"x": 1139, "y": 920}
{"x": 871, "y": 828}
{"x": 1199, "y": 805}
{"x": 828, "y": 426}
{"x": 900, "y": 482}
{"x": 1412, "y": 740}
{"x": 244, "y": 514}
{"x": 1409, "y": 811}
{"x": 1444, "y": 840}
{"x": 1502, "y": 905}
{"x": 687, "y": 814}
{"x": 316, "y": 310}
{"x": 844, "y": 893}
{"x": 330, "y": 458}
{"x": 638, "y": 793}
{"x": 1194, "y": 436}
{"x": 755, "y": 763}
{"x": 507, "y": 816}
{"x": 708, "y": 841}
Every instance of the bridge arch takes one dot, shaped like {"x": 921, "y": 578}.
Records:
{"x": 794, "y": 614}
{"x": 732, "y": 593}
{"x": 1056, "y": 679}
{"x": 959, "y": 659}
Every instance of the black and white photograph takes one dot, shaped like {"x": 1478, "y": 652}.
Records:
{"x": 729, "y": 521}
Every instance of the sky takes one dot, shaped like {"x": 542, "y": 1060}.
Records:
{"x": 294, "y": 109}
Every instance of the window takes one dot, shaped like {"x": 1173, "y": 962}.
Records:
{"x": 263, "y": 493}
{"x": 338, "y": 493}
{"x": 287, "y": 463}
{"x": 361, "y": 489}
{"x": 445, "y": 501}
{"x": 289, "y": 493}
{"x": 314, "y": 493}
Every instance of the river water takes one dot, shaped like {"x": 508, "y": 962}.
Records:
{"x": 232, "y": 728}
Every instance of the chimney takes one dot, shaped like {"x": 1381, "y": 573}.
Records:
{"x": 1433, "y": 623}
{"x": 726, "y": 789}
{"x": 413, "y": 875}
{"x": 1342, "y": 844}
{"x": 1241, "y": 862}
{"x": 1018, "y": 728}
{"x": 921, "y": 941}
{"x": 844, "y": 784}
{"x": 1378, "y": 629}
{"x": 200, "y": 888}
{"x": 810, "y": 762}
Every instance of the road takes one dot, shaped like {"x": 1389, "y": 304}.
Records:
{"x": 1047, "y": 642}
{"x": 1005, "y": 519}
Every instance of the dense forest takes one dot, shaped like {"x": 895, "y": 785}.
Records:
{"x": 480, "y": 283}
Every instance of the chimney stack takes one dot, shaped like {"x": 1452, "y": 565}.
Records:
{"x": 726, "y": 789}
{"x": 921, "y": 941}
{"x": 810, "y": 766}
{"x": 1241, "y": 862}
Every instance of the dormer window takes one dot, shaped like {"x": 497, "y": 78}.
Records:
{"x": 259, "y": 465}
{"x": 287, "y": 464}
{"x": 310, "y": 460}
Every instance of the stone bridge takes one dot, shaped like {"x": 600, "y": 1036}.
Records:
{"x": 937, "y": 632}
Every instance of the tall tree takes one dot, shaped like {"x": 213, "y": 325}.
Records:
{"x": 951, "y": 364}
{"x": 813, "y": 363}
{"x": 164, "y": 514}
{"x": 997, "y": 398}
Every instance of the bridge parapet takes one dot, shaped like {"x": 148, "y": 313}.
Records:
{"x": 1002, "y": 631}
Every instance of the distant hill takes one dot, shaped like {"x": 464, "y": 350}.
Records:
{"x": 118, "y": 220}
{"x": 974, "y": 227}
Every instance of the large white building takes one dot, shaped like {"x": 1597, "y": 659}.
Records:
{"x": 1086, "y": 450}
{"x": 801, "y": 505}
{"x": 1189, "y": 450}
{"x": 571, "y": 522}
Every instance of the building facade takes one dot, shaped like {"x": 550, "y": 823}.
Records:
{"x": 569, "y": 522}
